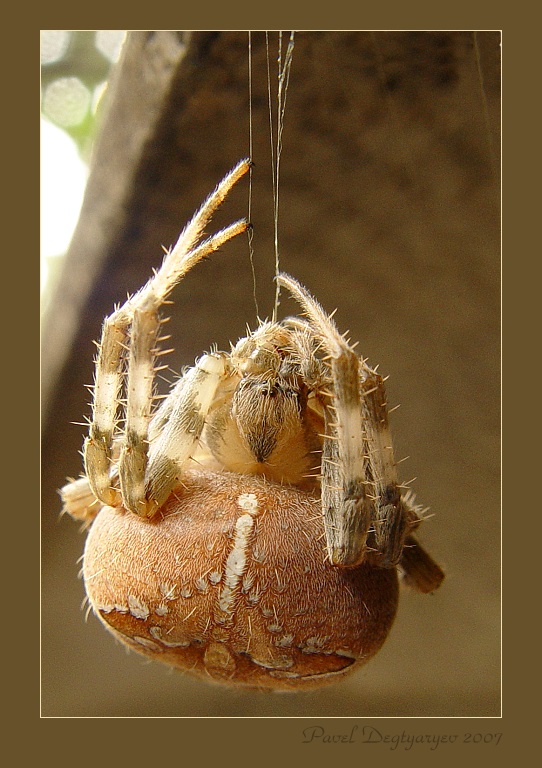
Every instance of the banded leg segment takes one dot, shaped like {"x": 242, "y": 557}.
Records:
{"x": 180, "y": 434}
{"x": 346, "y": 506}
{"x": 139, "y": 385}
{"x": 393, "y": 519}
{"x": 97, "y": 448}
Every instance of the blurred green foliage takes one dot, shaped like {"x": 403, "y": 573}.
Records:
{"x": 74, "y": 71}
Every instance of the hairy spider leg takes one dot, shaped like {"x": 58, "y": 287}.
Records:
{"x": 138, "y": 318}
{"x": 181, "y": 433}
{"x": 392, "y": 521}
{"x": 395, "y": 516}
{"x": 345, "y": 502}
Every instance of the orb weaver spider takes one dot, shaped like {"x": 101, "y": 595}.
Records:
{"x": 252, "y": 528}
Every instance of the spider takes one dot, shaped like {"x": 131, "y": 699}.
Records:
{"x": 251, "y": 528}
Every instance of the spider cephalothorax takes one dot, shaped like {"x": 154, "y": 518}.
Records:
{"x": 253, "y": 527}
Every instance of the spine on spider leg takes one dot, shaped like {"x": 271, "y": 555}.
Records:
{"x": 393, "y": 521}
{"x": 97, "y": 448}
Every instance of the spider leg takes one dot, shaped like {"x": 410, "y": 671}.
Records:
{"x": 97, "y": 448}
{"x": 178, "y": 436}
{"x": 78, "y": 500}
{"x": 393, "y": 519}
{"x": 139, "y": 321}
{"x": 346, "y": 506}
{"x": 417, "y": 567}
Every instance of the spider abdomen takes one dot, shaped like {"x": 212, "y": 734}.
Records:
{"x": 231, "y": 581}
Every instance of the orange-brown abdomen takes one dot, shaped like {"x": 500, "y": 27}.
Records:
{"x": 231, "y": 581}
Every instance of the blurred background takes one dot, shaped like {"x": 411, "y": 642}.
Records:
{"x": 389, "y": 212}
